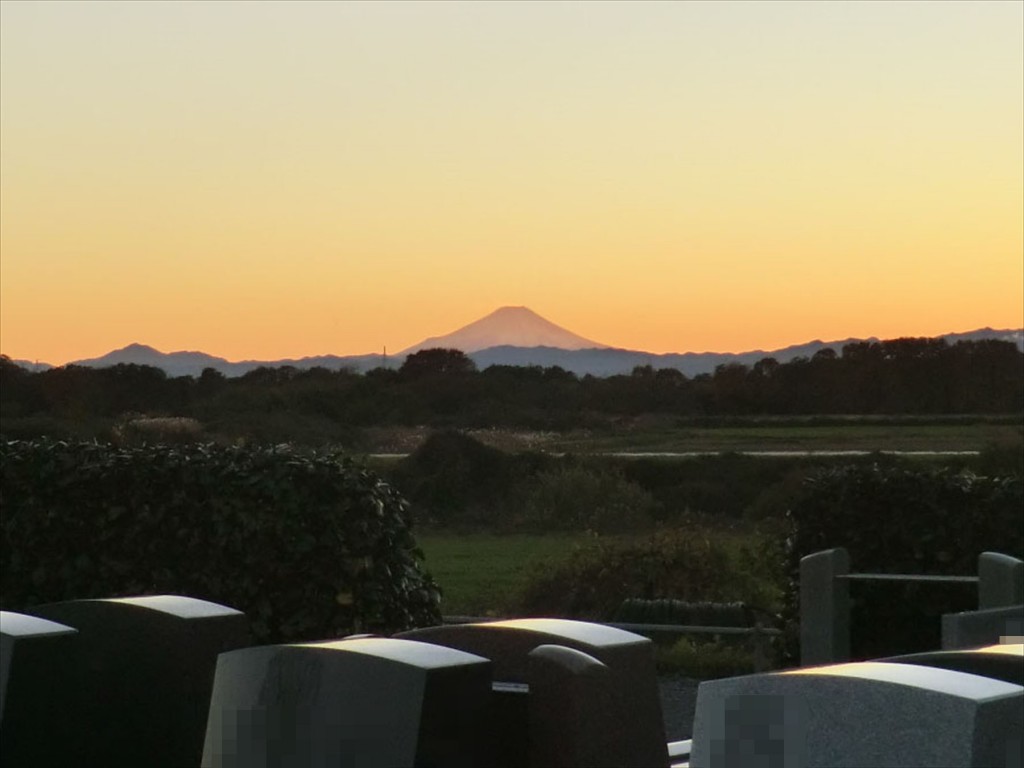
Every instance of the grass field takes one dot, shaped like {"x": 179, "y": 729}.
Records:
{"x": 794, "y": 437}
{"x": 819, "y": 433}
{"x": 481, "y": 574}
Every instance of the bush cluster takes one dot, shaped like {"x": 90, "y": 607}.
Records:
{"x": 898, "y": 519}
{"x": 692, "y": 563}
{"x": 704, "y": 659}
{"x": 308, "y": 546}
{"x": 577, "y": 497}
{"x": 454, "y": 481}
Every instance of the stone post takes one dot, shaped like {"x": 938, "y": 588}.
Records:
{"x": 824, "y": 607}
{"x": 1000, "y": 580}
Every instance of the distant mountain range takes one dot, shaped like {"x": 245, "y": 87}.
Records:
{"x": 507, "y": 336}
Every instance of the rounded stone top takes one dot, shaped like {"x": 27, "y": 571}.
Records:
{"x": 22, "y": 626}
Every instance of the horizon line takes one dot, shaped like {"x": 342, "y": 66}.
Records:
{"x": 606, "y": 348}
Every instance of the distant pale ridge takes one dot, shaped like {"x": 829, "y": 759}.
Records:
{"x": 507, "y": 326}
{"x": 507, "y": 336}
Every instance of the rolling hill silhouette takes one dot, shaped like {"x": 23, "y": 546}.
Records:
{"x": 507, "y": 336}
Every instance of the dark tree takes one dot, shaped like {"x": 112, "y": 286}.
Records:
{"x": 434, "y": 362}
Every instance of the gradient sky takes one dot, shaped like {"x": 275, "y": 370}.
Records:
{"x": 266, "y": 180}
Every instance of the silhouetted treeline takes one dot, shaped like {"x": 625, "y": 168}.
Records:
{"x": 443, "y": 388}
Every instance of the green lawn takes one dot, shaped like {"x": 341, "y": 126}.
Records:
{"x": 765, "y": 433}
{"x": 481, "y": 574}
{"x": 794, "y": 436}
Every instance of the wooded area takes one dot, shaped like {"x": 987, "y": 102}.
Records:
{"x": 441, "y": 388}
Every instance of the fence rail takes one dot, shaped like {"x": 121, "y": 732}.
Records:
{"x": 906, "y": 577}
{"x": 825, "y": 597}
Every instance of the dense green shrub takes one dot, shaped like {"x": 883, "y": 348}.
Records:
{"x": 309, "y": 546}
{"x": 668, "y": 610}
{"x": 580, "y": 497}
{"x": 456, "y": 482}
{"x": 1003, "y": 457}
{"x": 898, "y": 519}
{"x": 723, "y": 485}
{"x": 453, "y": 480}
{"x": 704, "y": 658}
{"x": 690, "y": 563}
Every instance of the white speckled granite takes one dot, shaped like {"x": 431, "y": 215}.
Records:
{"x": 857, "y": 715}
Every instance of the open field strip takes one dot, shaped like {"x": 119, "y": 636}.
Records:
{"x": 766, "y": 437}
{"x": 481, "y": 573}
{"x": 791, "y": 439}
{"x": 779, "y": 454}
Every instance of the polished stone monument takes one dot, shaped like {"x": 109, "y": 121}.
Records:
{"x": 631, "y": 726}
{"x": 37, "y": 664}
{"x": 970, "y": 629}
{"x": 366, "y": 702}
{"x": 1002, "y": 662}
{"x": 854, "y": 715}
{"x": 144, "y": 675}
{"x": 570, "y": 703}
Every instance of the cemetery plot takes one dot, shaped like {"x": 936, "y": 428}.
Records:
{"x": 169, "y": 681}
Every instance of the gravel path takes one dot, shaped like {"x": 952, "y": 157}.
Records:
{"x": 678, "y": 701}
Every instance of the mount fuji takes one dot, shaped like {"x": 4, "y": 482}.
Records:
{"x": 507, "y": 327}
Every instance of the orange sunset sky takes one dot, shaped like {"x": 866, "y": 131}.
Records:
{"x": 266, "y": 180}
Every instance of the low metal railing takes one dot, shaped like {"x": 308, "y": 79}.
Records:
{"x": 825, "y": 597}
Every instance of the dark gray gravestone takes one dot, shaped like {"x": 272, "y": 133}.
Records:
{"x": 636, "y": 732}
{"x": 569, "y": 707}
{"x": 37, "y": 663}
{"x": 970, "y": 629}
{"x": 1003, "y": 662}
{"x": 1000, "y": 580}
{"x": 370, "y": 702}
{"x": 145, "y": 674}
{"x": 856, "y": 715}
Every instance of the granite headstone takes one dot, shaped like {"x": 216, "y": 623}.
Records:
{"x": 569, "y": 706}
{"x": 1003, "y": 662}
{"x": 970, "y": 629}
{"x": 854, "y": 715}
{"x": 369, "y": 702}
{"x": 635, "y": 730}
{"x": 37, "y": 689}
{"x": 145, "y": 673}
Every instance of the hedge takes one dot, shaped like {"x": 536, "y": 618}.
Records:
{"x": 896, "y": 519}
{"x": 692, "y": 563}
{"x": 309, "y": 546}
